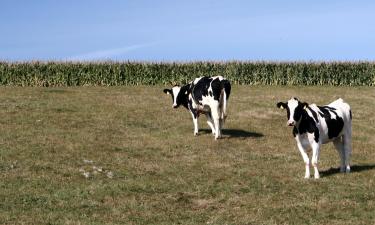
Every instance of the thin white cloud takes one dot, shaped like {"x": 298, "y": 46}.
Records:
{"x": 108, "y": 53}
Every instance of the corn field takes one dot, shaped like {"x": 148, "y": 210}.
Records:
{"x": 147, "y": 73}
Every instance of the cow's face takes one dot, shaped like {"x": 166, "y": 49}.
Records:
{"x": 294, "y": 110}
{"x": 174, "y": 92}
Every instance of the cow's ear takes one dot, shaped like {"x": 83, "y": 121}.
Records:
{"x": 281, "y": 105}
{"x": 167, "y": 91}
{"x": 305, "y": 105}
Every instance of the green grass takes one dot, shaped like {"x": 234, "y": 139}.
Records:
{"x": 162, "y": 174}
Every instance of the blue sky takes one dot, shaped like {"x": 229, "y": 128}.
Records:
{"x": 166, "y": 30}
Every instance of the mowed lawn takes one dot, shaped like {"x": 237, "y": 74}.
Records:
{"x": 122, "y": 155}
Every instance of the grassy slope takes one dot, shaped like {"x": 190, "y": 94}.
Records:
{"x": 162, "y": 174}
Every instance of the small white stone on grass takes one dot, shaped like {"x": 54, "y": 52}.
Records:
{"x": 98, "y": 169}
{"x": 86, "y": 174}
{"x": 87, "y": 161}
{"x": 110, "y": 174}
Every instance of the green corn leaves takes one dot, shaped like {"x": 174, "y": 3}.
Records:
{"x": 152, "y": 73}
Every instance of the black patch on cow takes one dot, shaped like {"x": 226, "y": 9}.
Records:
{"x": 298, "y": 111}
{"x": 183, "y": 96}
{"x": 314, "y": 114}
{"x": 295, "y": 131}
{"x": 335, "y": 126}
{"x": 216, "y": 88}
{"x": 210, "y": 93}
{"x": 350, "y": 111}
{"x": 192, "y": 110}
{"x": 316, "y": 134}
{"x": 307, "y": 125}
{"x": 200, "y": 88}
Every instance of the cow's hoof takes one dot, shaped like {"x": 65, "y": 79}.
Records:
{"x": 316, "y": 176}
{"x": 195, "y": 134}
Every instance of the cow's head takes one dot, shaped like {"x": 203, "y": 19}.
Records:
{"x": 294, "y": 110}
{"x": 179, "y": 94}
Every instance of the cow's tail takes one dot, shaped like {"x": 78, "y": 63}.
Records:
{"x": 224, "y": 95}
{"x": 223, "y": 104}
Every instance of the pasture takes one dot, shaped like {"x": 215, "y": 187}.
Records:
{"x": 122, "y": 155}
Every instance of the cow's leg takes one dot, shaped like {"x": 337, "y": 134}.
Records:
{"x": 340, "y": 149}
{"x": 304, "y": 156}
{"x": 216, "y": 118}
{"x": 210, "y": 122}
{"x": 222, "y": 118}
{"x": 347, "y": 140}
{"x": 195, "y": 122}
{"x": 221, "y": 124}
{"x": 315, "y": 157}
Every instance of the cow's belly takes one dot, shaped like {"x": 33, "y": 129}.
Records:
{"x": 204, "y": 108}
{"x": 324, "y": 138}
{"x": 304, "y": 141}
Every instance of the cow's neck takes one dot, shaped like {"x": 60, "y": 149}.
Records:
{"x": 303, "y": 123}
{"x": 184, "y": 92}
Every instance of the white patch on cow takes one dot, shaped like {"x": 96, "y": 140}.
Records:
{"x": 292, "y": 104}
{"x": 175, "y": 91}
{"x": 220, "y": 78}
{"x": 207, "y": 103}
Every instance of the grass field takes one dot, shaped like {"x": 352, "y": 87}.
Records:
{"x": 122, "y": 155}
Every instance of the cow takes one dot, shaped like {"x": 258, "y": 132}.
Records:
{"x": 204, "y": 95}
{"x": 316, "y": 125}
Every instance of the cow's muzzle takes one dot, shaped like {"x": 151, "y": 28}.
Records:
{"x": 290, "y": 123}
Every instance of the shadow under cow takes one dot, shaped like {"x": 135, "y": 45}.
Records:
{"x": 235, "y": 133}
{"x": 353, "y": 169}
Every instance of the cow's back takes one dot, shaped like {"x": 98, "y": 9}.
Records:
{"x": 343, "y": 109}
{"x": 209, "y": 87}
{"x": 334, "y": 119}
{"x": 200, "y": 88}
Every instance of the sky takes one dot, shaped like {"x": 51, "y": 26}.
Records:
{"x": 190, "y": 30}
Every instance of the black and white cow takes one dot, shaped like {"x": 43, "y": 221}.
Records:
{"x": 316, "y": 125}
{"x": 204, "y": 95}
